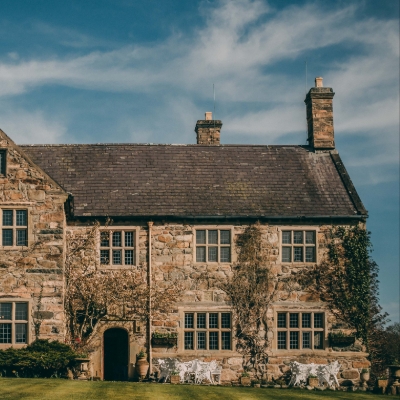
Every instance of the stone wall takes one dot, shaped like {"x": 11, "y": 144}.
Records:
{"x": 34, "y": 272}
{"x": 173, "y": 259}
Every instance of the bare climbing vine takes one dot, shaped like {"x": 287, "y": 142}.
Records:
{"x": 94, "y": 294}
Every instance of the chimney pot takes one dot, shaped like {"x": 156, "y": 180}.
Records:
{"x": 208, "y": 116}
{"x": 318, "y": 82}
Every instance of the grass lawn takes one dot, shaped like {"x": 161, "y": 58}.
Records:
{"x": 59, "y": 389}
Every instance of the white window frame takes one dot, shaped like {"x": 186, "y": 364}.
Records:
{"x": 207, "y": 330}
{"x": 217, "y": 228}
{"x": 300, "y": 329}
{"x": 14, "y": 227}
{"x": 303, "y": 229}
{"x": 13, "y": 322}
{"x": 123, "y": 248}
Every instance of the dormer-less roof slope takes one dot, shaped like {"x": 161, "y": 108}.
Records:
{"x": 200, "y": 181}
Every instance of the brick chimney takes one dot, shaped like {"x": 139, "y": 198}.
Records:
{"x": 320, "y": 116}
{"x": 208, "y": 130}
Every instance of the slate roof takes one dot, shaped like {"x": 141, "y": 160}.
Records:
{"x": 197, "y": 180}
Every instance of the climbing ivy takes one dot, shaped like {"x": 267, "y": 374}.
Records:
{"x": 347, "y": 281}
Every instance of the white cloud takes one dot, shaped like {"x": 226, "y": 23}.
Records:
{"x": 32, "y": 127}
{"x": 239, "y": 48}
{"x": 232, "y": 49}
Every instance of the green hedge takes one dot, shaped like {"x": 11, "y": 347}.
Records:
{"x": 42, "y": 359}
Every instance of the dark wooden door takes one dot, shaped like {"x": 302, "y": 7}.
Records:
{"x": 116, "y": 354}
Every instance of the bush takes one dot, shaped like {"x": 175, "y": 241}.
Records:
{"x": 42, "y": 359}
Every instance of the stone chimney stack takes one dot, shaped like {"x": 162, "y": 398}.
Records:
{"x": 208, "y": 130}
{"x": 320, "y": 116}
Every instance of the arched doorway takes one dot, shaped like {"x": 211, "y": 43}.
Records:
{"x": 116, "y": 354}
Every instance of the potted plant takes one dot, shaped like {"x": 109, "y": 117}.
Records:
{"x": 313, "y": 380}
{"x": 164, "y": 338}
{"x": 341, "y": 339}
{"x": 394, "y": 370}
{"x": 175, "y": 378}
{"x": 141, "y": 365}
{"x": 255, "y": 383}
{"x": 382, "y": 381}
{"x": 245, "y": 379}
{"x": 365, "y": 374}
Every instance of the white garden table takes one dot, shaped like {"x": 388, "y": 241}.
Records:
{"x": 194, "y": 371}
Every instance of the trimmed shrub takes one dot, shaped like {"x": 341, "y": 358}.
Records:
{"x": 42, "y": 359}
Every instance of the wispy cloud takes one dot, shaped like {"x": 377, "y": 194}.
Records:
{"x": 32, "y": 127}
{"x": 240, "y": 47}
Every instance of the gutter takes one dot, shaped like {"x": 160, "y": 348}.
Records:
{"x": 149, "y": 224}
{"x": 116, "y": 218}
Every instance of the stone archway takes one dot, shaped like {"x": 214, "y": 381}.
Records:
{"x": 116, "y": 354}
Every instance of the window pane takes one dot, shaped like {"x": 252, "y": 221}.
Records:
{"x": 117, "y": 239}
{"x": 310, "y": 254}
{"x": 212, "y": 237}
{"x": 294, "y": 321}
{"x": 225, "y": 237}
{"x": 281, "y": 340}
{"x": 201, "y": 320}
{"x": 5, "y": 310}
{"x": 200, "y": 254}
{"x": 297, "y": 237}
{"x": 310, "y": 237}
{"x": 22, "y": 237}
{"x": 7, "y": 237}
{"x": 213, "y": 341}
{"x": 213, "y": 254}
{"x": 5, "y": 333}
{"x": 22, "y": 219}
{"x": 318, "y": 340}
{"x": 7, "y": 218}
{"x": 213, "y": 320}
{"x": 306, "y": 320}
{"x": 294, "y": 340}
{"x": 306, "y": 340}
{"x": 286, "y": 254}
{"x": 201, "y": 340}
{"x": 298, "y": 254}
{"x": 117, "y": 257}
{"x": 225, "y": 320}
{"x": 281, "y": 320}
{"x": 105, "y": 239}
{"x": 2, "y": 162}
{"x": 189, "y": 340}
{"x": 189, "y": 318}
{"x": 200, "y": 237}
{"x": 129, "y": 239}
{"x": 129, "y": 257}
{"x": 21, "y": 311}
{"x": 318, "y": 320}
{"x": 225, "y": 254}
{"x": 286, "y": 237}
{"x": 104, "y": 256}
{"x": 226, "y": 340}
{"x": 20, "y": 333}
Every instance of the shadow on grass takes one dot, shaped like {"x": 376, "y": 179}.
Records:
{"x": 59, "y": 389}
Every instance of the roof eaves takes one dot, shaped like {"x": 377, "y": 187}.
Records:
{"x": 348, "y": 184}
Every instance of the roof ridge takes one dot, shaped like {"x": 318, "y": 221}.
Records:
{"x": 159, "y": 144}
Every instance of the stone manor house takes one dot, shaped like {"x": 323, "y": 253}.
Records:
{"x": 178, "y": 210}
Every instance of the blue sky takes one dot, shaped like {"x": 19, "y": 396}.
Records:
{"x": 143, "y": 71}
